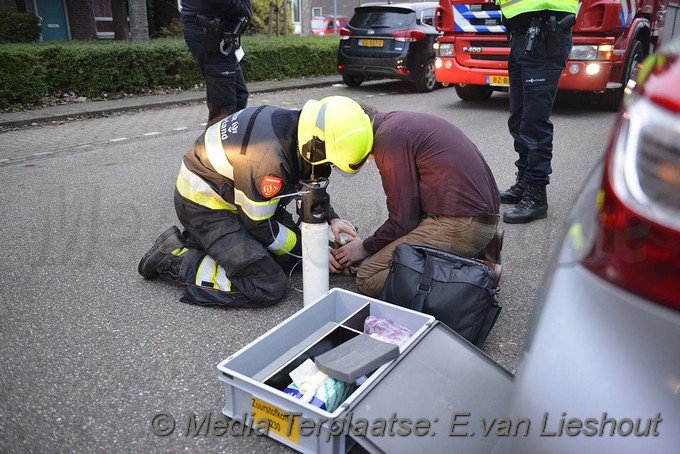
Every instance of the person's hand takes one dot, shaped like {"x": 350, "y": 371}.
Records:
{"x": 339, "y": 226}
{"x": 351, "y": 252}
{"x": 334, "y": 267}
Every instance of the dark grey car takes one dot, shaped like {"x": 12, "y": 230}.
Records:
{"x": 393, "y": 41}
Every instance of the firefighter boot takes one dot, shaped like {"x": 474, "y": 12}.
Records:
{"x": 534, "y": 205}
{"x": 514, "y": 194}
{"x": 165, "y": 256}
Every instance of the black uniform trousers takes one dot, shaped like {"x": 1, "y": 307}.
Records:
{"x": 226, "y": 90}
{"x": 257, "y": 277}
{"x": 533, "y": 86}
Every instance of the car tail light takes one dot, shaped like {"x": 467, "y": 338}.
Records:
{"x": 408, "y": 36}
{"x": 345, "y": 33}
{"x": 637, "y": 244}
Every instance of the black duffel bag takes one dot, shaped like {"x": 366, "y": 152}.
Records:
{"x": 458, "y": 291}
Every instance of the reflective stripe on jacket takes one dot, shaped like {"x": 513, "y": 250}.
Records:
{"x": 221, "y": 172}
{"x": 512, "y": 8}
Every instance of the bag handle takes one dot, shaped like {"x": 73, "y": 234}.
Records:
{"x": 424, "y": 285}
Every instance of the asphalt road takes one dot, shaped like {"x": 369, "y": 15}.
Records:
{"x": 90, "y": 352}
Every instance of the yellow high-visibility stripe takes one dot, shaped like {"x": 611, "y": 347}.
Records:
{"x": 211, "y": 271}
{"x": 512, "y": 8}
{"x": 216, "y": 156}
{"x": 284, "y": 242}
{"x": 257, "y": 211}
{"x": 192, "y": 187}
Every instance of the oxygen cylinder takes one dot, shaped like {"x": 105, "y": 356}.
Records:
{"x": 314, "y": 211}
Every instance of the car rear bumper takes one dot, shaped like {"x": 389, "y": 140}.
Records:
{"x": 598, "y": 354}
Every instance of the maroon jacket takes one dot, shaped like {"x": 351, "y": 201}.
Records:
{"x": 427, "y": 165}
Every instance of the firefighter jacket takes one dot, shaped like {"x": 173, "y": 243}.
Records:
{"x": 512, "y": 8}
{"x": 240, "y": 164}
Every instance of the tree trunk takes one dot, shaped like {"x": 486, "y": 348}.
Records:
{"x": 119, "y": 13}
{"x": 139, "y": 24}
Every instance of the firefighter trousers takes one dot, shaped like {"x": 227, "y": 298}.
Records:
{"x": 225, "y": 265}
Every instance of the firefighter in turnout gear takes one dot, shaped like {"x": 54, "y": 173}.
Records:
{"x": 540, "y": 42}
{"x": 231, "y": 194}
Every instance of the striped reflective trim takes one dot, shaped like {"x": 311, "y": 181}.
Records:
{"x": 257, "y": 211}
{"x": 463, "y": 16}
{"x": 212, "y": 274}
{"x": 215, "y": 151}
{"x": 284, "y": 242}
{"x": 192, "y": 187}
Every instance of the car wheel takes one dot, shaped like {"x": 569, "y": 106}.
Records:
{"x": 426, "y": 81}
{"x": 353, "y": 81}
{"x": 611, "y": 99}
{"x": 473, "y": 92}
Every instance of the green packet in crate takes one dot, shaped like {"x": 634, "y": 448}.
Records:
{"x": 316, "y": 388}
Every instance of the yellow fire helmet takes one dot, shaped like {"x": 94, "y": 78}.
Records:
{"x": 335, "y": 130}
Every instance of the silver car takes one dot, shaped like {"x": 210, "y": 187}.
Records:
{"x": 601, "y": 369}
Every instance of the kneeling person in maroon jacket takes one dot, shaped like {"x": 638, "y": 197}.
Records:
{"x": 440, "y": 193}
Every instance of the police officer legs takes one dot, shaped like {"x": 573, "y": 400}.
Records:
{"x": 226, "y": 89}
{"x": 533, "y": 85}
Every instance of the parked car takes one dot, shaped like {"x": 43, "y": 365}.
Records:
{"x": 600, "y": 371}
{"x": 392, "y": 41}
{"x": 324, "y": 25}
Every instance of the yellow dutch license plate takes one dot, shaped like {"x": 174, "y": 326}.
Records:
{"x": 371, "y": 42}
{"x": 498, "y": 80}
{"x": 278, "y": 420}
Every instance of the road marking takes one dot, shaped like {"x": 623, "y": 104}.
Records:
{"x": 151, "y": 133}
{"x": 180, "y": 129}
{"x": 118, "y": 139}
{"x": 44, "y": 153}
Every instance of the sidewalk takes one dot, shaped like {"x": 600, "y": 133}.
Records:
{"x": 94, "y": 108}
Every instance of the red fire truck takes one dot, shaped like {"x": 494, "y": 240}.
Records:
{"x": 611, "y": 37}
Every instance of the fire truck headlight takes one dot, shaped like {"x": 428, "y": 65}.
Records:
{"x": 591, "y": 52}
{"x": 583, "y": 53}
{"x": 592, "y": 69}
{"x": 446, "y": 49}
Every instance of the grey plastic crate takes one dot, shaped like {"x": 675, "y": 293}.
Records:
{"x": 244, "y": 372}
{"x": 436, "y": 376}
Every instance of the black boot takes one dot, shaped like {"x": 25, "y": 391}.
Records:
{"x": 165, "y": 256}
{"x": 534, "y": 205}
{"x": 516, "y": 191}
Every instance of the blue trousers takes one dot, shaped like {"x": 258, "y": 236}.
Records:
{"x": 226, "y": 90}
{"x": 533, "y": 86}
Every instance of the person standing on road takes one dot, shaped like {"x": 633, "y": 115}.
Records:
{"x": 205, "y": 23}
{"x": 540, "y": 42}
{"x": 230, "y": 198}
{"x": 440, "y": 193}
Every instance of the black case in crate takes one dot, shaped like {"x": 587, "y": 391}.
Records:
{"x": 438, "y": 378}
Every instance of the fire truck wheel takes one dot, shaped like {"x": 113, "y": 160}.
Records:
{"x": 426, "y": 81}
{"x": 353, "y": 80}
{"x": 611, "y": 99}
{"x": 473, "y": 92}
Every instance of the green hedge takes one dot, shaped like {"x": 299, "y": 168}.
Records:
{"x": 92, "y": 69}
{"x": 18, "y": 27}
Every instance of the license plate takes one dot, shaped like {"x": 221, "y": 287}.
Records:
{"x": 498, "y": 80}
{"x": 278, "y": 421}
{"x": 371, "y": 42}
